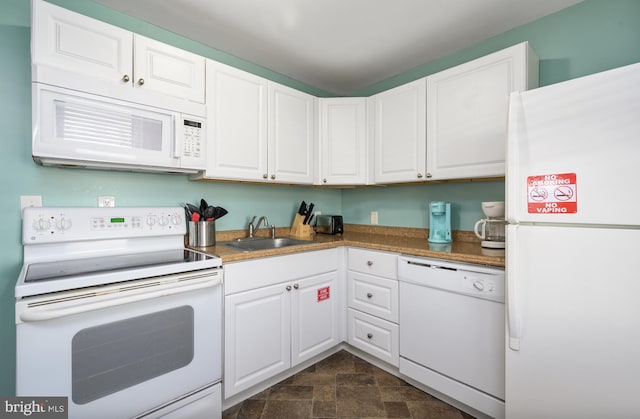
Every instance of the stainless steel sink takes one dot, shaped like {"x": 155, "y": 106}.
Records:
{"x": 263, "y": 243}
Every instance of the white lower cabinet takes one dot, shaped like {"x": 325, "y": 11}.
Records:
{"x": 279, "y": 312}
{"x": 372, "y": 299}
{"x": 373, "y": 335}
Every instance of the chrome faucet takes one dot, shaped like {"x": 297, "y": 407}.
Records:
{"x": 254, "y": 229}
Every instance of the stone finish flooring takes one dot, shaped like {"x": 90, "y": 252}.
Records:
{"x": 343, "y": 386}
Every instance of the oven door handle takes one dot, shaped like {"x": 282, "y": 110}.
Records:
{"x": 42, "y": 313}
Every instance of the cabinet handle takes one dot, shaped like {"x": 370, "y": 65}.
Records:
{"x": 296, "y": 286}
{"x": 419, "y": 175}
{"x": 324, "y": 180}
{"x": 140, "y": 82}
{"x": 273, "y": 176}
{"x": 126, "y": 78}
{"x": 264, "y": 176}
{"x": 369, "y": 262}
{"x": 288, "y": 288}
{"x": 369, "y": 295}
{"x": 369, "y": 335}
{"x": 429, "y": 176}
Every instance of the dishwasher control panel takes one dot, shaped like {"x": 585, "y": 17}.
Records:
{"x": 482, "y": 284}
{"x": 462, "y": 278}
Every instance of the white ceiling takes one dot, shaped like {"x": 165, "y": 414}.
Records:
{"x": 338, "y": 46}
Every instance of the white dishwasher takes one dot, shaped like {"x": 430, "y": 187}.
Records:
{"x": 452, "y": 330}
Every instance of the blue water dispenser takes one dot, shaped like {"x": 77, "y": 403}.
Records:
{"x": 439, "y": 222}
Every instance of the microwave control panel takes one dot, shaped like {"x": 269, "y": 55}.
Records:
{"x": 192, "y": 138}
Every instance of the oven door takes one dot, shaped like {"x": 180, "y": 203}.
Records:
{"x": 120, "y": 350}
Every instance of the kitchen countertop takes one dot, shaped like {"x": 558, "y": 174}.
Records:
{"x": 409, "y": 241}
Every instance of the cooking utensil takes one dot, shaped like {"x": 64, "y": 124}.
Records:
{"x": 192, "y": 209}
{"x": 203, "y": 205}
{"x": 219, "y": 212}
{"x": 208, "y": 212}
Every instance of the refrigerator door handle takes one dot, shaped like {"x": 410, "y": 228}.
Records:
{"x": 514, "y": 320}
{"x": 516, "y": 132}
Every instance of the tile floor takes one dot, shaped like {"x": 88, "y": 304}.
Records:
{"x": 342, "y": 386}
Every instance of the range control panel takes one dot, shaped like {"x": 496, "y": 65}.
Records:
{"x": 59, "y": 224}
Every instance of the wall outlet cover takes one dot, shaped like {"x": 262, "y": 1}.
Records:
{"x": 30, "y": 201}
{"x": 106, "y": 201}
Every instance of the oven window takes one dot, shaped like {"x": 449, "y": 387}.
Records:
{"x": 114, "y": 356}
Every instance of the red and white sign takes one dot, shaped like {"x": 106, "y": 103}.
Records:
{"x": 552, "y": 194}
{"x": 323, "y": 293}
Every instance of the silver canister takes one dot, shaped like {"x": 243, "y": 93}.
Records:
{"x": 202, "y": 233}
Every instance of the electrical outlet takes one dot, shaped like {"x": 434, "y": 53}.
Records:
{"x": 106, "y": 201}
{"x": 30, "y": 201}
{"x": 374, "y": 217}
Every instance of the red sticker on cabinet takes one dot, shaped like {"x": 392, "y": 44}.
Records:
{"x": 552, "y": 194}
{"x": 323, "y": 293}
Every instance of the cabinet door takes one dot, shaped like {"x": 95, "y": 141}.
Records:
{"x": 315, "y": 316}
{"x": 257, "y": 336}
{"x": 168, "y": 70}
{"x": 399, "y": 129}
{"x": 467, "y": 114}
{"x": 291, "y": 135}
{"x": 343, "y": 141}
{"x": 237, "y": 124}
{"x": 80, "y": 45}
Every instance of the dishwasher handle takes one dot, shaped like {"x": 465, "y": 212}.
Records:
{"x": 429, "y": 265}
{"x": 50, "y": 313}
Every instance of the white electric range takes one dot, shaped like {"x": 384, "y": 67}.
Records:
{"x": 114, "y": 313}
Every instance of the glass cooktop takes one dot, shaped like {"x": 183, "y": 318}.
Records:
{"x": 65, "y": 269}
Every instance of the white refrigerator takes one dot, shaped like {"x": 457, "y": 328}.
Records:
{"x": 573, "y": 249}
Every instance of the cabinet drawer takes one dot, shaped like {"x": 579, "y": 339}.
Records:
{"x": 373, "y": 295}
{"x": 373, "y": 335}
{"x": 373, "y": 263}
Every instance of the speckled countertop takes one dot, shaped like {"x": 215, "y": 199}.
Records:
{"x": 411, "y": 241}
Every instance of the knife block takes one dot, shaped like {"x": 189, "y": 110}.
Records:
{"x": 300, "y": 230}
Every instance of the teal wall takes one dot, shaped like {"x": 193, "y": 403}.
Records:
{"x": 592, "y": 36}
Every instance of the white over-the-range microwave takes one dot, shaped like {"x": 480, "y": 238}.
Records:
{"x": 73, "y": 128}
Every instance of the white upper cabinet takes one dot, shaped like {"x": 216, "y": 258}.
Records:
{"x": 343, "y": 141}
{"x": 291, "y": 135}
{"x": 167, "y": 69}
{"x": 237, "y": 117}
{"x": 467, "y": 109}
{"x": 79, "y": 44}
{"x": 75, "y": 51}
{"x": 399, "y": 132}
{"x": 260, "y": 131}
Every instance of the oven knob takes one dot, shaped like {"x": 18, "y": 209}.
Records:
{"x": 151, "y": 220}
{"x": 176, "y": 219}
{"x": 63, "y": 224}
{"x": 164, "y": 220}
{"x": 41, "y": 224}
